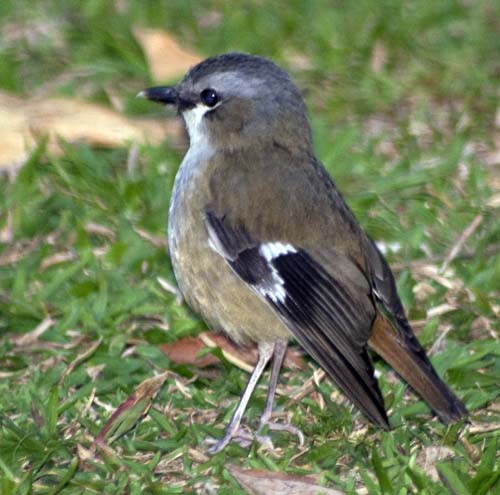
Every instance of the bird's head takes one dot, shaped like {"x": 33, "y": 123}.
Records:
{"x": 236, "y": 100}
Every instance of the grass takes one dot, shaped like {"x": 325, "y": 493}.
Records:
{"x": 403, "y": 98}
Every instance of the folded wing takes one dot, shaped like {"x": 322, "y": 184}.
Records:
{"x": 323, "y": 298}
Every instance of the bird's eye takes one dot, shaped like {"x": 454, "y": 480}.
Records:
{"x": 209, "y": 97}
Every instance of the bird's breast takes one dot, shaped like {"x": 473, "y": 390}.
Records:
{"x": 205, "y": 279}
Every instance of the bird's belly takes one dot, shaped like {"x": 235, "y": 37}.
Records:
{"x": 208, "y": 283}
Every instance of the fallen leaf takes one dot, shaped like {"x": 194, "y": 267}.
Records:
{"x": 23, "y": 121}
{"x": 260, "y": 482}
{"x": 130, "y": 411}
{"x": 166, "y": 58}
{"x": 187, "y": 351}
{"x": 245, "y": 357}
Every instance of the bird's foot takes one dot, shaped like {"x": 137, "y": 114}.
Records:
{"x": 245, "y": 438}
{"x": 289, "y": 428}
{"x": 242, "y": 437}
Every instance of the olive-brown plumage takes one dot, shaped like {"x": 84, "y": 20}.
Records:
{"x": 264, "y": 246}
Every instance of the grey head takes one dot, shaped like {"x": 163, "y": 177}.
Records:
{"x": 236, "y": 100}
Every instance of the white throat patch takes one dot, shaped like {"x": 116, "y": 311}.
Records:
{"x": 195, "y": 124}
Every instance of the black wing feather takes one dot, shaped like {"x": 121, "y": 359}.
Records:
{"x": 325, "y": 317}
{"x": 325, "y": 320}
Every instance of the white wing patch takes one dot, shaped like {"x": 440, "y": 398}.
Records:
{"x": 274, "y": 289}
{"x": 271, "y": 250}
{"x": 271, "y": 285}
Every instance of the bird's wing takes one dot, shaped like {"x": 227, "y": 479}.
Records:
{"x": 323, "y": 298}
{"x": 393, "y": 338}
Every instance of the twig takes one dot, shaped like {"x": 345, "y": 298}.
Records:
{"x": 308, "y": 386}
{"x": 455, "y": 250}
{"x": 157, "y": 241}
{"x": 80, "y": 359}
{"x": 29, "y": 338}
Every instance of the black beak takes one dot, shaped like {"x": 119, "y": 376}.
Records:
{"x": 161, "y": 94}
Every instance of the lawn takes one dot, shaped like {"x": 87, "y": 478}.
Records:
{"x": 404, "y": 100}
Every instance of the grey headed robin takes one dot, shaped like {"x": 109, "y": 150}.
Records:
{"x": 265, "y": 248}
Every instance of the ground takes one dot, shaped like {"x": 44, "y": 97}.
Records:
{"x": 404, "y": 104}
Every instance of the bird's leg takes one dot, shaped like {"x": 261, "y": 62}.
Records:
{"x": 278, "y": 358}
{"x": 266, "y": 350}
{"x": 265, "y": 419}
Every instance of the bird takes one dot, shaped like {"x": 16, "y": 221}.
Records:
{"x": 264, "y": 246}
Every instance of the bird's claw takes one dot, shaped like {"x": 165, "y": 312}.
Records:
{"x": 240, "y": 436}
{"x": 245, "y": 438}
{"x": 289, "y": 428}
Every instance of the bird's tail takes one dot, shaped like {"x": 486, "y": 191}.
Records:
{"x": 404, "y": 353}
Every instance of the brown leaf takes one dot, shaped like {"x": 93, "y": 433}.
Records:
{"x": 260, "y": 482}
{"x": 130, "y": 410}
{"x": 165, "y": 57}
{"x": 186, "y": 351}
{"x": 248, "y": 354}
{"x": 24, "y": 120}
{"x": 244, "y": 357}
